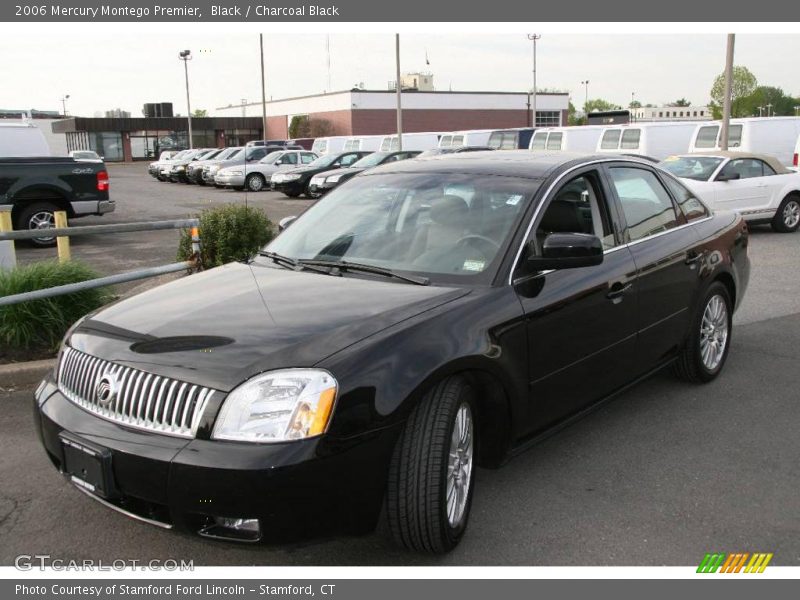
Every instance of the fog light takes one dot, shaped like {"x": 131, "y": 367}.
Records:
{"x": 232, "y": 528}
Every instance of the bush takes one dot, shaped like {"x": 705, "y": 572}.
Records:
{"x": 42, "y": 324}
{"x": 228, "y": 233}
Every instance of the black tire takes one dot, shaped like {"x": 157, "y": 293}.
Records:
{"x": 37, "y": 212}
{"x": 787, "y": 218}
{"x": 255, "y": 182}
{"x": 690, "y": 365}
{"x": 292, "y": 194}
{"x": 416, "y": 495}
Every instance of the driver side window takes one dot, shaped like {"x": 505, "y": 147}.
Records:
{"x": 577, "y": 207}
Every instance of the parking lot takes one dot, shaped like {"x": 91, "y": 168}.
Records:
{"x": 660, "y": 476}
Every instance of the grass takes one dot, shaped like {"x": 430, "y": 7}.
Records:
{"x": 40, "y": 325}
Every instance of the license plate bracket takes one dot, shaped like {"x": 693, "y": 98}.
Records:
{"x": 87, "y": 465}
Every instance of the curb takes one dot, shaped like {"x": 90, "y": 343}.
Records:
{"x": 25, "y": 373}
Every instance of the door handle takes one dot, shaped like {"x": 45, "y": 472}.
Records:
{"x": 693, "y": 257}
{"x": 618, "y": 290}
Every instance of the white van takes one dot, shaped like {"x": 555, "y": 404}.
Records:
{"x": 578, "y": 138}
{"x": 22, "y": 139}
{"x": 364, "y": 142}
{"x": 775, "y": 136}
{"x": 461, "y": 139}
{"x": 411, "y": 141}
{"x": 329, "y": 145}
{"x": 654, "y": 140}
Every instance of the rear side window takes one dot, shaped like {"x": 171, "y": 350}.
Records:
{"x": 509, "y": 141}
{"x": 554, "y": 141}
{"x": 307, "y": 158}
{"x": 610, "y": 139}
{"x": 539, "y": 141}
{"x": 734, "y": 136}
{"x": 707, "y": 137}
{"x": 630, "y": 139}
{"x": 458, "y": 140}
{"x": 688, "y": 204}
{"x": 647, "y": 206}
{"x": 290, "y": 159}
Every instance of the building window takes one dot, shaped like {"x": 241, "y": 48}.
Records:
{"x": 701, "y": 113}
{"x": 548, "y": 118}
{"x": 107, "y": 144}
{"x": 661, "y": 113}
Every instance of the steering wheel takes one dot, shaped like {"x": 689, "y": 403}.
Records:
{"x": 483, "y": 244}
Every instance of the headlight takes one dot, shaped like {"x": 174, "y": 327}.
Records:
{"x": 213, "y": 168}
{"x": 289, "y": 177}
{"x": 333, "y": 178}
{"x": 179, "y": 168}
{"x": 234, "y": 173}
{"x": 278, "y": 406}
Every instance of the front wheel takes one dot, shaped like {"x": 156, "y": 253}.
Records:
{"x": 38, "y": 215}
{"x": 706, "y": 350}
{"x": 431, "y": 476}
{"x": 787, "y": 218}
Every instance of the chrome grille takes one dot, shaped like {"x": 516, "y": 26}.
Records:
{"x": 142, "y": 400}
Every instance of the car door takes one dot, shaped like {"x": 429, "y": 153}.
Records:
{"x": 667, "y": 253}
{"x": 580, "y": 322}
{"x": 750, "y": 191}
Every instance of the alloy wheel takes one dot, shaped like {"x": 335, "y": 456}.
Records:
{"x": 459, "y": 467}
{"x": 791, "y": 214}
{"x": 714, "y": 332}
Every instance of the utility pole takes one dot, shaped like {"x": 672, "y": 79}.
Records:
{"x": 585, "y": 85}
{"x": 64, "y": 104}
{"x": 186, "y": 56}
{"x": 263, "y": 88}
{"x": 726, "y": 104}
{"x": 533, "y": 37}
{"x": 397, "y": 89}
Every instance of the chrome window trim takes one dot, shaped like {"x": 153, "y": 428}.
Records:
{"x": 615, "y": 248}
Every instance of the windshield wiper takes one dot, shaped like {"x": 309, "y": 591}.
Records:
{"x": 290, "y": 262}
{"x": 344, "y": 265}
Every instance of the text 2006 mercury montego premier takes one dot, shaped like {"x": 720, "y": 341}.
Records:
{"x": 425, "y": 318}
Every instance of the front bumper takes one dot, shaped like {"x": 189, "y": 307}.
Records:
{"x": 295, "y": 187}
{"x": 178, "y": 176}
{"x": 226, "y": 180}
{"x": 320, "y": 188}
{"x": 296, "y": 490}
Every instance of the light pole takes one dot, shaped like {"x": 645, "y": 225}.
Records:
{"x": 533, "y": 37}
{"x": 769, "y": 109}
{"x": 186, "y": 56}
{"x": 633, "y": 99}
{"x": 760, "y": 111}
{"x": 585, "y": 85}
{"x": 796, "y": 109}
{"x": 398, "y": 90}
{"x": 64, "y": 99}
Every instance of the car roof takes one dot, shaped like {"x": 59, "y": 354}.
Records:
{"x": 773, "y": 162}
{"x": 511, "y": 163}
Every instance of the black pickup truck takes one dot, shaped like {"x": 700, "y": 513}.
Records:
{"x": 37, "y": 187}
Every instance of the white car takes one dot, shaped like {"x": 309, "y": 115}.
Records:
{"x": 757, "y": 186}
{"x": 255, "y": 176}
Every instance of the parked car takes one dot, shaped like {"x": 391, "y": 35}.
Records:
{"x": 194, "y": 172}
{"x": 511, "y": 139}
{"x": 244, "y": 157}
{"x": 38, "y": 186}
{"x": 658, "y": 140}
{"x": 773, "y": 136}
{"x": 324, "y": 182}
{"x": 295, "y": 182}
{"x": 154, "y": 168}
{"x": 329, "y": 145}
{"x": 86, "y": 156}
{"x": 578, "y": 138}
{"x": 166, "y": 167}
{"x": 303, "y": 143}
{"x": 429, "y": 317}
{"x": 411, "y": 141}
{"x": 255, "y": 176}
{"x": 756, "y": 186}
{"x": 458, "y": 139}
{"x": 179, "y": 169}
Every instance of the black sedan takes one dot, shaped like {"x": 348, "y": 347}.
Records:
{"x": 425, "y": 318}
{"x": 295, "y": 182}
{"x": 324, "y": 182}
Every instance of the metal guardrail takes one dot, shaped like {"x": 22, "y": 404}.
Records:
{"x": 64, "y": 233}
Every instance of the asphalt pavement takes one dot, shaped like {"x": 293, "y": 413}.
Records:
{"x": 663, "y": 474}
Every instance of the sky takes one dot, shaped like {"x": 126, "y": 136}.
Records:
{"x": 102, "y": 71}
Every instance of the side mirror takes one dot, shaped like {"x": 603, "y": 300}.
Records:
{"x": 567, "y": 251}
{"x": 285, "y": 222}
{"x": 728, "y": 176}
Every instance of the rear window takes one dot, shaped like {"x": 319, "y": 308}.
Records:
{"x": 734, "y": 136}
{"x": 630, "y": 139}
{"x": 610, "y": 139}
{"x": 707, "y": 137}
{"x": 554, "y": 141}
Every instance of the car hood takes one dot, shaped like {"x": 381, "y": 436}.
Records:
{"x": 343, "y": 171}
{"x": 220, "y": 327}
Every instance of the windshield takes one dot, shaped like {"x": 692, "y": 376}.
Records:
{"x": 323, "y": 161}
{"x": 691, "y": 167}
{"x": 451, "y": 228}
{"x": 370, "y": 160}
{"x": 271, "y": 158}
{"x": 237, "y": 154}
{"x": 228, "y": 153}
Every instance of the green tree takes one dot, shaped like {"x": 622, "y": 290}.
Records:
{"x": 299, "y": 126}
{"x": 200, "y": 112}
{"x": 635, "y": 104}
{"x": 598, "y": 104}
{"x": 572, "y": 116}
{"x": 772, "y": 100}
{"x": 743, "y": 85}
{"x": 680, "y": 102}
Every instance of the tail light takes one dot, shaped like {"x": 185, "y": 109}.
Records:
{"x": 102, "y": 181}
{"x": 794, "y": 161}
